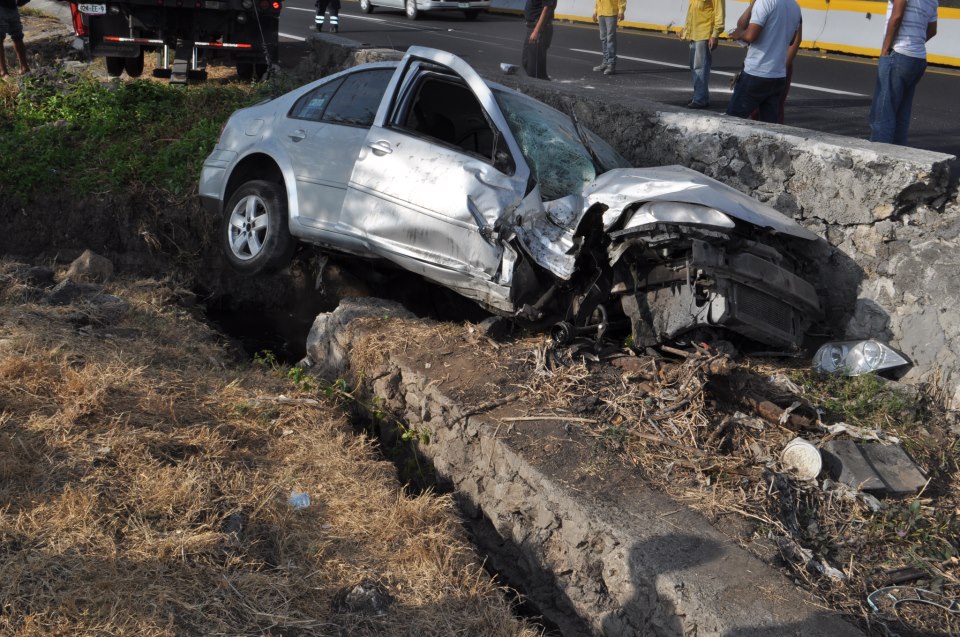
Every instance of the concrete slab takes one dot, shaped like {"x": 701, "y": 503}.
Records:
{"x": 598, "y": 551}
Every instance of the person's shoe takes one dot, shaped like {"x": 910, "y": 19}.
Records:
{"x": 334, "y": 29}
{"x": 601, "y": 67}
{"x": 697, "y": 105}
{"x": 609, "y": 71}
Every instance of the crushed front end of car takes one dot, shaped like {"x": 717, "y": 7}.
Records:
{"x": 677, "y": 255}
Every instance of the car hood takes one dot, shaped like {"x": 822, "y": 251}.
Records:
{"x": 620, "y": 188}
{"x": 550, "y": 239}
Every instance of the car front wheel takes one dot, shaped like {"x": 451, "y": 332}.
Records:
{"x": 254, "y": 233}
{"x": 412, "y": 11}
{"x": 365, "y": 6}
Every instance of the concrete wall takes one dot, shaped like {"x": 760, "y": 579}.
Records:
{"x": 888, "y": 264}
{"x": 846, "y": 26}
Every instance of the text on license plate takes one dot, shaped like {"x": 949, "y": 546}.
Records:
{"x": 93, "y": 9}
{"x": 463, "y": 5}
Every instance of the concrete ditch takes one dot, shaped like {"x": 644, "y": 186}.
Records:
{"x": 598, "y": 552}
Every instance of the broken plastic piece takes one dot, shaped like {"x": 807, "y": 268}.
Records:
{"x": 884, "y": 470}
{"x": 802, "y": 458}
{"x": 856, "y": 357}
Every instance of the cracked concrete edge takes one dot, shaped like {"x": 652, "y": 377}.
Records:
{"x": 624, "y": 559}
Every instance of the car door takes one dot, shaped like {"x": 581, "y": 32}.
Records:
{"x": 437, "y": 171}
{"x": 322, "y": 135}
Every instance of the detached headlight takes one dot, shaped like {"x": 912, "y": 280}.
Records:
{"x": 856, "y": 357}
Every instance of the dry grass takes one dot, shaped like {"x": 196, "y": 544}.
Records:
{"x": 677, "y": 424}
{"x": 144, "y": 482}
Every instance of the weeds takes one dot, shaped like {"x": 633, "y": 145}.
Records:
{"x": 79, "y": 132}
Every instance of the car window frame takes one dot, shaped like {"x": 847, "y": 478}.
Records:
{"x": 338, "y": 81}
{"x": 342, "y": 80}
{"x": 401, "y": 112}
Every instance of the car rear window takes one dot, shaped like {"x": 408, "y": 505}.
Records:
{"x": 358, "y": 98}
{"x": 312, "y": 105}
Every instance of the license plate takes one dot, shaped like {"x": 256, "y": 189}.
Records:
{"x": 93, "y": 9}
{"x": 463, "y": 5}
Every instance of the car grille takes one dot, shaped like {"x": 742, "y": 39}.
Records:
{"x": 764, "y": 309}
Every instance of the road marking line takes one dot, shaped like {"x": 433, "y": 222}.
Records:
{"x": 727, "y": 73}
{"x": 292, "y": 37}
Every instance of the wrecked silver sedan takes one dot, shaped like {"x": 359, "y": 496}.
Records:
{"x": 504, "y": 200}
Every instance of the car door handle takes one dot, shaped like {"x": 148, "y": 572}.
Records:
{"x": 298, "y": 135}
{"x": 381, "y": 147}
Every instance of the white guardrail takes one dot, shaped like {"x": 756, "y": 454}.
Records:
{"x": 843, "y": 26}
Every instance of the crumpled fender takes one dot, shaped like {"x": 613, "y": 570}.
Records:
{"x": 623, "y": 187}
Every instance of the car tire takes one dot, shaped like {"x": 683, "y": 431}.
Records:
{"x": 365, "y": 6}
{"x": 471, "y": 14}
{"x": 115, "y": 66}
{"x": 134, "y": 66}
{"x": 411, "y": 9}
{"x": 254, "y": 234}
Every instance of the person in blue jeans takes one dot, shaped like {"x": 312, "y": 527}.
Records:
{"x": 772, "y": 26}
{"x": 903, "y": 59}
{"x": 703, "y": 28}
{"x": 608, "y": 13}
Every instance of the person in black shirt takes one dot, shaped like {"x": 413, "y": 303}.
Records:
{"x": 538, "y": 15}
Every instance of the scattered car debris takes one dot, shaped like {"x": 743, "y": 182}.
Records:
{"x": 423, "y": 164}
{"x": 909, "y": 611}
{"x": 802, "y": 458}
{"x": 880, "y": 469}
{"x": 857, "y": 357}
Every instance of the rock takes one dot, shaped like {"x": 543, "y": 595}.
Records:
{"x": 327, "y": 345}
{"x": 64, "y": 293}
{"x": 90, "y": 266}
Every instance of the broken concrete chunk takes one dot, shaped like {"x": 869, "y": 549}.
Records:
{"x": 884, "y": 470}
{"x": 90, "y": 266}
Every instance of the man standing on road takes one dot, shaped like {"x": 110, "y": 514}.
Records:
{"x": 322, "y": 6}
{"x": 538, "y": 16}
{"x": 903, "y": 59}
{"x": 773, "y": 26}
{"x": 11, "y": 25}
{"x": 607, "y": 14}
{"x": 703, "y": 28}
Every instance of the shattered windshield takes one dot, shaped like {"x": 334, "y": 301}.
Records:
{"x": 548, "y": 139}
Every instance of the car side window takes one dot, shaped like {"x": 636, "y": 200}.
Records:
{"x": 446, "y": 111}
{"x": 312, "y": 105}
{"x": 358, "y": 98}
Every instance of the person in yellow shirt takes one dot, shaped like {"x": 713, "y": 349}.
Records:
{"x": 607, "y": 14}
{"x": 703, "y": 28}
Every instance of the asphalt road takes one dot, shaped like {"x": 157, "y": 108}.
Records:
{"x": 830, "y": 93}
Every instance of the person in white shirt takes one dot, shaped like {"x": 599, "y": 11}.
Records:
{"x": 903, "y": 59}
{"x": 773, "y": 26}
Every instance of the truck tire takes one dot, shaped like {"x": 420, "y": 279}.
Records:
{"x": 115, "y": 66}
{"x": 245, "y": 71}
{"x": 411, "y": 9}
{"x": 134, "y": 66}
{"x": 254, "y": 234}
{"x": 366, "y": 6}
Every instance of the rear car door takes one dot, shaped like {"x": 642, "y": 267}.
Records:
{"x": 437, "y": 170}
{"x": 323, "y": 134}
